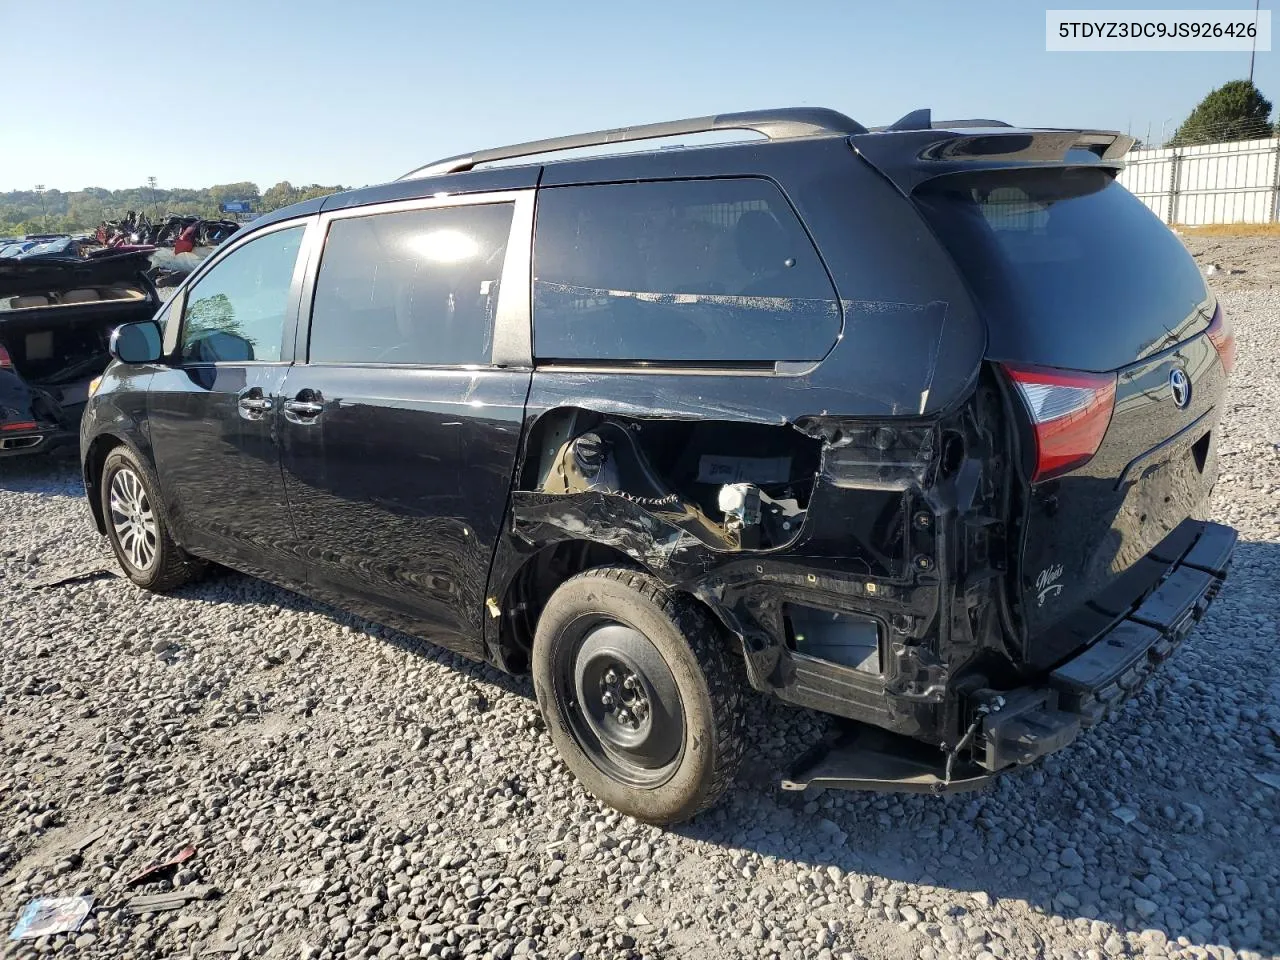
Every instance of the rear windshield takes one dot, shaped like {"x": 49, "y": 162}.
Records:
{"x": 1070, "y": 268}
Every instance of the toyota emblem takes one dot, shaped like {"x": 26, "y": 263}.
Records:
{"x": 1180, "y": 387}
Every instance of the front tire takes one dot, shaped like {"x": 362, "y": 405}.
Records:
{"x": 640, "y": 695}
{"x": 137, "y": 528}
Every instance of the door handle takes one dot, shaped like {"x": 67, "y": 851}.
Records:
{"x": 253, "y": 405}
{"x": 305, "y": 408}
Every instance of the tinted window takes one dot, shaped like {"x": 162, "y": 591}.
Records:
{"x": 689, "y": 270}
{"x": 1071, "y": 269}
{"x": 236, "y": 311}
{"x": 414, "y": 287}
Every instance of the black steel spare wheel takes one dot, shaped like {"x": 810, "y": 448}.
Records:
{"x": 621, "y": 700}
{"x": 641, "y": 693}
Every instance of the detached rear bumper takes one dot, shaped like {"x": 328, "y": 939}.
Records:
{"x": 1033, "y": 722}
{"x": 1020, "y": 726}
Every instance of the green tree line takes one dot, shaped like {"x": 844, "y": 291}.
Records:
{"x": 1237, "y": 110}
{"x": 80, "y": 211}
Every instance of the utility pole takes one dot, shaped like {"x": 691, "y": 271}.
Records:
{"x": 151, "y": 182}
{"x": 44, "y": 213}
{"x": 1254, "y": 51}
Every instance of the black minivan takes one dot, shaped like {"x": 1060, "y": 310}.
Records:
{"x": 911, "y": 426}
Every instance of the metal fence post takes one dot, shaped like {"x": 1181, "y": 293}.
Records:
{"x": 1275, "y": 183}
{"x": 1173, "y": 186}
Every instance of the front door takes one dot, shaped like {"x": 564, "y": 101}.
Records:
{"x": 400, "y": 431}
{"x": 214, "y": 413}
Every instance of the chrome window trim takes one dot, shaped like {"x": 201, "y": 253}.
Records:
{"x": 512, "y": 343}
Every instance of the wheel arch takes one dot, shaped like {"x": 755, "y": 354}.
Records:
{"x": 95, "y": 457}
{"x": 541, "y": 573}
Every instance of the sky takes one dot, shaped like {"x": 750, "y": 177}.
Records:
{"x": 361, "y": 91}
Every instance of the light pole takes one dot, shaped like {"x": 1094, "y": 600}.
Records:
{"x": 1162, "y": 129}
{"x": 1254, "y": 51}
{"x": 44, "y": 213}
{"x": 151, "y": 182}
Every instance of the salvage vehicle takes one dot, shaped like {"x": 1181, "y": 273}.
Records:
{"x": 57, "y": 312}
{"x": 912, "y": 426}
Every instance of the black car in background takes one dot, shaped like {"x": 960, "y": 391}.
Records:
{"x": 911, "y": 426}
{"x": 58, "y": 307}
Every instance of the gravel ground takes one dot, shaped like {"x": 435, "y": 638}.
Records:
{"x": 1236, "y": 262}
{"x": 355, "y": 793}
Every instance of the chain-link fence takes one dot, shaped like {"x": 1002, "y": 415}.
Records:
{"x": 1235, "y": 182}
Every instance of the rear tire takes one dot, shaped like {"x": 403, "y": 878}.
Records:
{"x": 640, "y": 695}
{"x": 137, "y": 527}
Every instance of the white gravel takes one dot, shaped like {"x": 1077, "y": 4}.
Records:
{"x": 354, "y": 793}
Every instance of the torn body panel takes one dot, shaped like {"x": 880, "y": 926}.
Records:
{"x": 853, "y": 558}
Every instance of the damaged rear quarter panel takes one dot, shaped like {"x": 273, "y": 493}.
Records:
{"x": 908, "y": 356}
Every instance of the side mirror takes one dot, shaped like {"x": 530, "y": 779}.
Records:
{"x": 136, "y": 342}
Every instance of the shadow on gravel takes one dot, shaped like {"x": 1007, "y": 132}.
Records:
{"x": 1196, "y": 864}
{"x": 54, "y": 472}
{"x": 222, "y": 585}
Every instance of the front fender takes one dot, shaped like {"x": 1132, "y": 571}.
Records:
{"x": 114, "y": 415}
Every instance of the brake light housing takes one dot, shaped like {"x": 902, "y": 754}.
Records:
{"x": 1223, "y": 338}
{"x": 6, "y": 361}
{"x": 1070, "y": 411}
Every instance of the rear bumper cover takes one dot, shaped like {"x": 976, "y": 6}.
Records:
{"x": 1020, "y": 726}
{"x": 40, "y": 440}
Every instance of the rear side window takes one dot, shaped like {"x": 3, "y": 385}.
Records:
{"x": 417, "y": 287}
{"x": 1071, "y": 269}
{"x": 678, "y": 271}
{"x": 236, "y": 312}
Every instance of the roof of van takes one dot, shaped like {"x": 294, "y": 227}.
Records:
{"x": 902, "y": 145}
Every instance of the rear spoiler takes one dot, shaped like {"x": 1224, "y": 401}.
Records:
{"x": 54, "y": 274}
{"x": 908, "y": 158}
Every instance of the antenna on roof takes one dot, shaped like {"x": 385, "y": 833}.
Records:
{"x": 915, "y": 120}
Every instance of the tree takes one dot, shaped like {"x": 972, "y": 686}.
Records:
{"x": 1234, "y": 111}
{"x": 81, "y": 210}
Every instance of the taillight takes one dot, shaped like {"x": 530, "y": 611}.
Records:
{"x": 1224, "y": 339}
{"x": 1070, "y": 411}
{"x": 6, "y": 361}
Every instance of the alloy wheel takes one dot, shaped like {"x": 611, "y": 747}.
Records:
{"x": 133, "y": 520}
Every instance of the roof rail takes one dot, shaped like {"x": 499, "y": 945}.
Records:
{"x": 785, "y": 123}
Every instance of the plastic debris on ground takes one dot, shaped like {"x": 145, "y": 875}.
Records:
{"x": 158, "y": 870}
{"x": 50, "y": 915}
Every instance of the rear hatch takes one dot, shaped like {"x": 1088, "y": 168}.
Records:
{"x": 1114, "y": 358}
{"x": 56, "y": 318}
